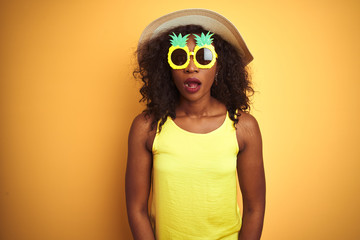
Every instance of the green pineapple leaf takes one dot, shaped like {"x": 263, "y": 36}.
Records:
{"x": 178, "y": 40}
{"x": 204, "y": 39}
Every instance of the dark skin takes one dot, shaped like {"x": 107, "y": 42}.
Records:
{"x": 199, "y": 113}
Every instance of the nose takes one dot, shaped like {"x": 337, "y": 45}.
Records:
{"x": 191, "y": 67}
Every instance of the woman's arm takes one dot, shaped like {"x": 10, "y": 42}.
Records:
{"x": 138, "y": 179}
{"x": 251, "y": 177}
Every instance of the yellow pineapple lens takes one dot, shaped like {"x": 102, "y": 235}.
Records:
{"x": 178, "y": 57}
{"x": 205, "y": 56}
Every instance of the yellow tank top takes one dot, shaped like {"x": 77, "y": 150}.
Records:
{"x": 194, "y": 183}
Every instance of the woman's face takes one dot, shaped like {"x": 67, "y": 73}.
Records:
{"x": 194, "y": 83}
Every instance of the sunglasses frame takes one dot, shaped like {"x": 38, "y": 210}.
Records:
{"x": 196, "y": 49}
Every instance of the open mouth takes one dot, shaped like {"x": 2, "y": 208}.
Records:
{"x": 192, "y": 84}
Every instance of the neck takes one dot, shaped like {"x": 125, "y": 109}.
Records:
{"x": 196, "y": 109}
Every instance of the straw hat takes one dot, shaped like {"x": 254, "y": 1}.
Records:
{"x": 209, "y": 20}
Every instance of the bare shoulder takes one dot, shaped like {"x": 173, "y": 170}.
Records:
{"x": 142, "y": 123}
{"x": 247, "y": 129}
{"x": 141, "y": 130}
{"x": 247, "y": 122}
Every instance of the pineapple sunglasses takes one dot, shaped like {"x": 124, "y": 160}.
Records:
{"x": 204, "y": 55}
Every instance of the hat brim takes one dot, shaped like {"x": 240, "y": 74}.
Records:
{"x": 208, "y": 19}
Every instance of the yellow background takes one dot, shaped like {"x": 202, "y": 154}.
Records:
{"x": 67, "y": 100}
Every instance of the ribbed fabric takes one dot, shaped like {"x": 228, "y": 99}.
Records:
{"x": 194, "y": 183}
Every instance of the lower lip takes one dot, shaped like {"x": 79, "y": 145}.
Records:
{"x": 192, "y": 90}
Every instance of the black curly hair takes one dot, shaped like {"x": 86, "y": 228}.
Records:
{"x": 159, "y": 92}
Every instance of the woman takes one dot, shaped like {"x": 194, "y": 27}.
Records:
{"x": 195, "y": 134}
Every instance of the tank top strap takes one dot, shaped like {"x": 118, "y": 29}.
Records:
{"x": 228, "y": 122}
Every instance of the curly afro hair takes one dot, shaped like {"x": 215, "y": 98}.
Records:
{"x": 159, "y": 92}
